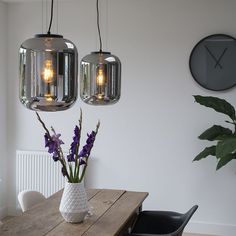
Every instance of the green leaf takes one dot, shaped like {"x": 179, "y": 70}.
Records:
{"x": 224, "y": 160}
{"x": 206, "y": 152}
{"x": 218, "y": 104}
{"x": 225, "y": 147}
{"x": 216, "y": 132}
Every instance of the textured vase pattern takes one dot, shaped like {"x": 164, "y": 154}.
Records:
{"x": 74, "y": 203}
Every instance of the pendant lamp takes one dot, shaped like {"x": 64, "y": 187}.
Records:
{"x": 100, "y": 76}
{"x": 48, "y": 72}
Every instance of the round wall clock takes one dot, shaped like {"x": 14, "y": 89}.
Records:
{"x": 213, "y": 62}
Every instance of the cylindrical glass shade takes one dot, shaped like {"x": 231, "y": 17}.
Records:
{"x": 100, "y": 78}
{"x": 48, "y": 73}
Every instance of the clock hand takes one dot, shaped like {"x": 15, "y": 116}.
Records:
{"x": 215, "y": 59}
{"x": 218, "y": 61}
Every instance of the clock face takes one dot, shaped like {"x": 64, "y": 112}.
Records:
{"x": 213, "y": 62}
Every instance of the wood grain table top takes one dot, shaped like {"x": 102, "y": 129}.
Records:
{"x": 111, "y": 210}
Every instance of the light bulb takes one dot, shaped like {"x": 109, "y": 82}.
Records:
{"x": 100, "y": 77}
{"x": 48, "y": 72}
{"x": 100, "y": 80}
{"x": 47, "y": 76}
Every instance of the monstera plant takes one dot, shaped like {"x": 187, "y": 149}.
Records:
{"x": 224, "y": 147}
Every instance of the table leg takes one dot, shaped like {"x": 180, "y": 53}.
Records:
{"x": 129, "y": 225}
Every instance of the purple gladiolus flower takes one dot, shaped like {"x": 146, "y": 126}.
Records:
{"x": 74, "y": 144}
{"x": 53, "y": 144}
{"x": 76, "y": 131}
{"x": 57, "y": 140}
{"x": 70, "y": 157}
{"x": 85, "y": 152}
{"x": 78, "y": 155}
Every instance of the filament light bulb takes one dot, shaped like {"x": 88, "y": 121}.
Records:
{"x": 100, "y": 80}
{"x": 100, "y": 77}
{"x": 48, "y": 72}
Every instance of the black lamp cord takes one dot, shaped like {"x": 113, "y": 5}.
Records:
{"x": 98, "y": 26}
{"x": 50, "y": 24}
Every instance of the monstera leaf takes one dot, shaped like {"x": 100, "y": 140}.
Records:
{"x": 218, "y": 104}
{"x": 216, "y": 132}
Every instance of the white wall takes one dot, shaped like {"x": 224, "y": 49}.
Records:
{"x": 3, "y": 111}
{"x": 147, "y": 141}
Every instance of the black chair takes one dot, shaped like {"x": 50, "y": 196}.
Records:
{"x": 165, "y": 223}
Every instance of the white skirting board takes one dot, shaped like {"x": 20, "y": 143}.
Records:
{"x": 211, "y": 228}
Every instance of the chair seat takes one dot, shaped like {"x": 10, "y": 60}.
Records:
{"x": 28, "y": 199}
{"x": 158, "y": 222}
{"x": 161, "y": 223}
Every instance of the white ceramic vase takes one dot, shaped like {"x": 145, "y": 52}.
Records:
{"x": 74, "y": 203}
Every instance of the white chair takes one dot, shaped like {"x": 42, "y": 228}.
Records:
{"x": 28, "y": 199}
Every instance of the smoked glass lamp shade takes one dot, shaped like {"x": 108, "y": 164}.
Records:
{"x": 100, "y": 78}
{"x": 48, "y": 73}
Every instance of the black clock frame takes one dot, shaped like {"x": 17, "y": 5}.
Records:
{"x": 217, "y": 60}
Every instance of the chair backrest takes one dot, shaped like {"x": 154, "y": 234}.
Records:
{"x": 185, "y": 218}
{"x": 28, "y": 199}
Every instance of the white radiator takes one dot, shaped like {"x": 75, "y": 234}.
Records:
{"x": 37, "y": 171}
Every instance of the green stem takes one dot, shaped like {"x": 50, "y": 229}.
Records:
{"x": 77, "y": 173}
{"x": 44, "y": 126}
{"x": 63, "y": 162}
{"x": 83, "y": 173}
{"x": 80, "y": 127}
{"x": 84, "y": 170}
{"x": 76, "y": 162}
{"x": 71, "y": 173}
{"x": 76, "y": 169}
{"x": 67, "y": 175}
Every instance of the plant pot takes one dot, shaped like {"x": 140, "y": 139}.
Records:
{"x": 74, "y": 203}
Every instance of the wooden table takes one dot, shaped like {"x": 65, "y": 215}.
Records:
{"x": 113, "y": 211}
